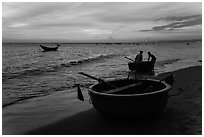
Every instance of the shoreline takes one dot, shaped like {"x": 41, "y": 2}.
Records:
{"x": 81, "y": 118}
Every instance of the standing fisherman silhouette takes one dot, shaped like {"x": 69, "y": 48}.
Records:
{"x": 152, "y": 57}
{"x": 139, "y": 57}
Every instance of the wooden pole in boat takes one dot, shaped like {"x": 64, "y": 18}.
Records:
{"x": 129, "y": 58}
{"x": 87, "y": 75}
{"x": 98, "y": 79}
{"x": 132, "y": 61}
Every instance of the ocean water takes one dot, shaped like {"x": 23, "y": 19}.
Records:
{"x": 27, "y": 72}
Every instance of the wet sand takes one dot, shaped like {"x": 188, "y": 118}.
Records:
{"x": 182, "y": 115}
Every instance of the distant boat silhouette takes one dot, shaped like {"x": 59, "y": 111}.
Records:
{"x": 49, "y": 48}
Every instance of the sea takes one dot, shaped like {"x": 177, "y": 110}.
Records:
{"x": 28, "y": 72}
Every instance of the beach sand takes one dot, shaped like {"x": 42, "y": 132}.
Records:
{"x": 182, "y": 115}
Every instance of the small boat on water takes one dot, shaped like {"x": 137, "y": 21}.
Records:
{"x": 145, "y": 66}
{"x": 141, "y": 67}
{"x": 128, "y": 97}
{"x": 49, "y": 48}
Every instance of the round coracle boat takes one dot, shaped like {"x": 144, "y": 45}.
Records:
{"x": 126, "y": 97}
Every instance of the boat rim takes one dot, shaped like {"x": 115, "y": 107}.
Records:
{"x": 168, "y": 87}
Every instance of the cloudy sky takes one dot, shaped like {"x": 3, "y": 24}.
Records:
{"x": 66, "y": 21}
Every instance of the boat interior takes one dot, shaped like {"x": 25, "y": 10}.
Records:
{"x": 126, "y": 87}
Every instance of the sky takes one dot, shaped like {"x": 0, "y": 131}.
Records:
{"x": 100, "y": 21}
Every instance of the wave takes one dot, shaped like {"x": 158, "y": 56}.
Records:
{"x": 167, "y": 62}
{"x": 46, "y": 69}
{"x": 89, "y": 60}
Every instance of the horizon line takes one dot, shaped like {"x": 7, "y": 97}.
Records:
{"x": 113, "y": 42}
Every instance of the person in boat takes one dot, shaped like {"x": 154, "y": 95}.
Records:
{"x": 152, "y": 57}
{"x": 139, "y": 57}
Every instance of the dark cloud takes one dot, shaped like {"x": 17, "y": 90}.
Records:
{"x": 178, "y": 23}
{"x": 174, "y": 18}
{"x": 146, "y": 30}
